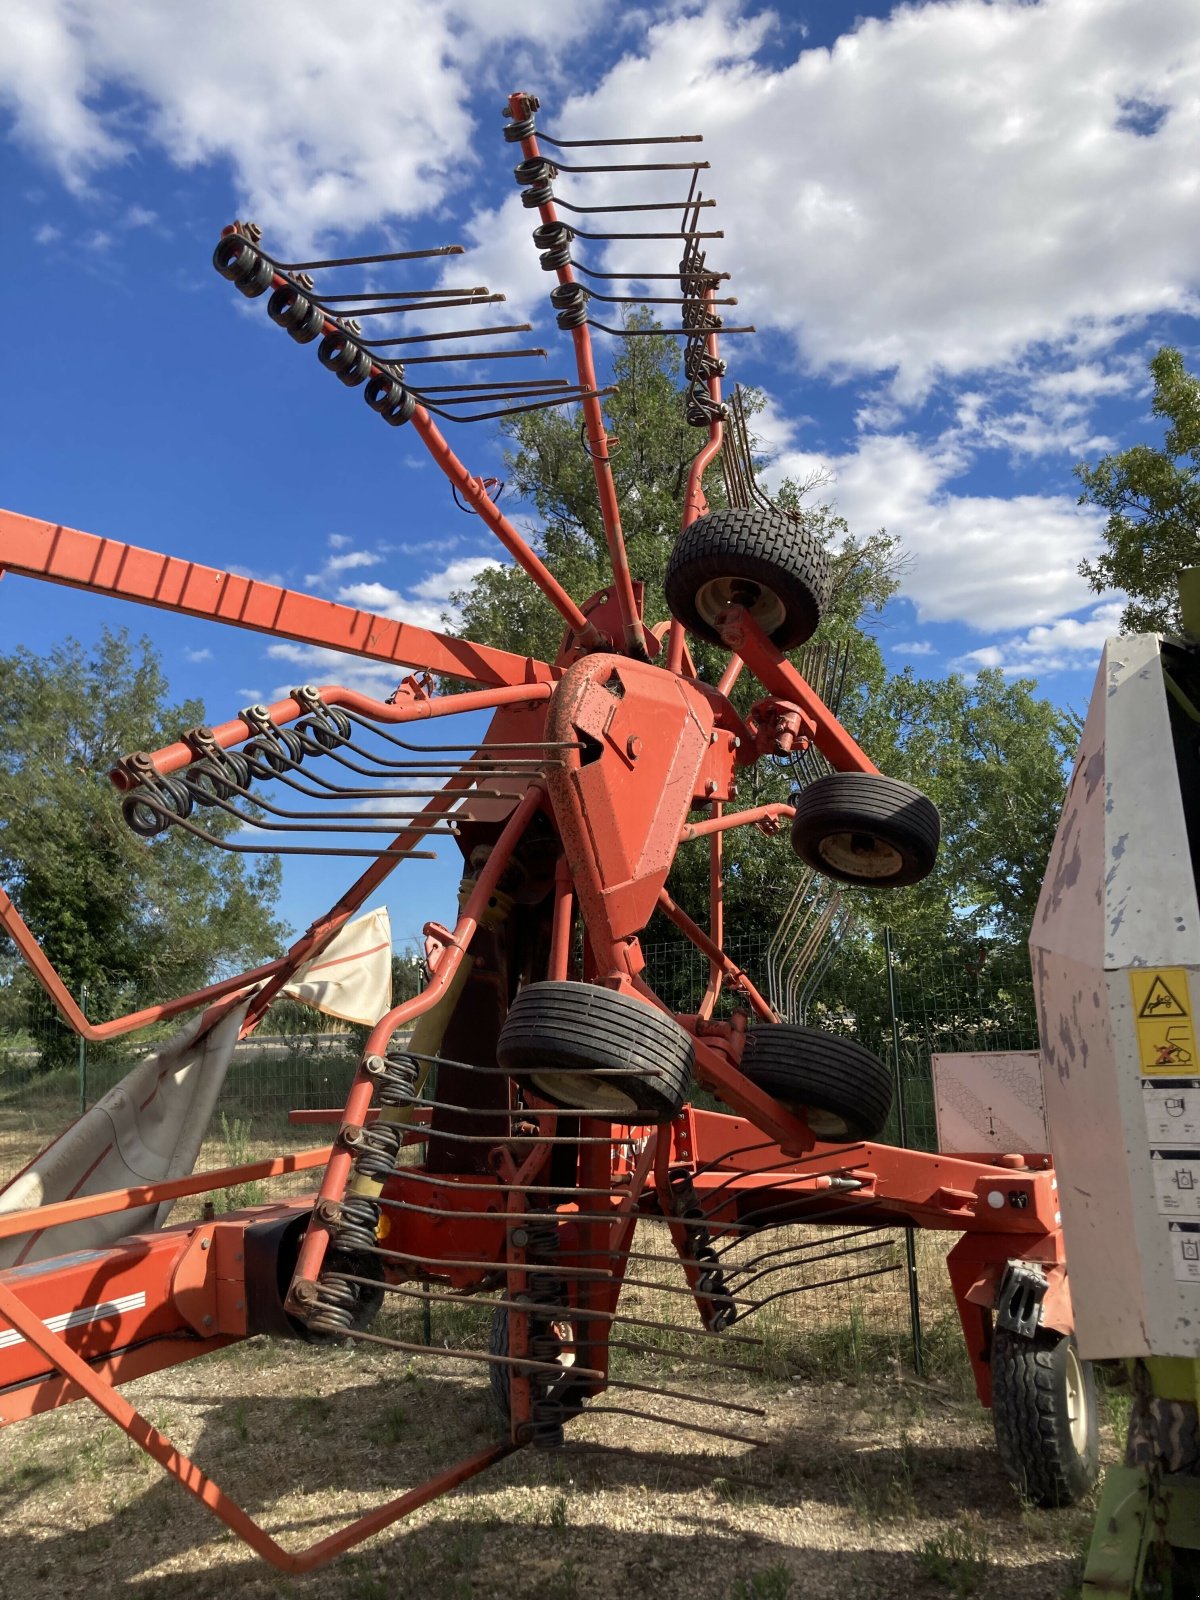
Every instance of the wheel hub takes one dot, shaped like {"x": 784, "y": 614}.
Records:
{"x": 863, "y": 855}
{"x": 716, "y": 596}
{"x": 1077, "y": 1405}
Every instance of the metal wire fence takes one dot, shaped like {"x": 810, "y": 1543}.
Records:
{"x": 903, "y": 1009}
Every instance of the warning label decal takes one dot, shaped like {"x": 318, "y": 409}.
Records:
{"x": 1163, "y": 1018}
{"x": 1161, "y": 1001}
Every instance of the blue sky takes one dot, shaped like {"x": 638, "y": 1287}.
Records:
{"x": 961, "y": 229}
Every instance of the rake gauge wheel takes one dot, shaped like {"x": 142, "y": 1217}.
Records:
{"x": 1045, "y": 1415}
{"x": 586, "y": 1048}
{"x": 868, "y": 830}
{"x": 762, "y": 560}
{"x": 844, "y": 1091}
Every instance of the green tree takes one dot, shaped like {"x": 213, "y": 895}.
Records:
{"x": 1152, "y": 497}
{"x": 993, "y": 756}
{"x": 127, "y": 917}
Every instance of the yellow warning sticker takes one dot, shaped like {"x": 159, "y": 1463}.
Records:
{"x": 1162, "y": 1012}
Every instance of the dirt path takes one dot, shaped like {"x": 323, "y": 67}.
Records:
{"x": 873, "y": 1490}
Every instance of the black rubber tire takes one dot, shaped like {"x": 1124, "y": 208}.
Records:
{"x": 557, "y": 1035}
{"x": 843, "y": 1090}
{"x": 865, "y": 829}
{"x": 1051, "y": 1456}
{"x": 498, "y": 1375}
{"x": 763, "y": 560}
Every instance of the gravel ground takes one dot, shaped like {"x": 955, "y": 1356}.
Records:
{"x": 874, "y": 1489}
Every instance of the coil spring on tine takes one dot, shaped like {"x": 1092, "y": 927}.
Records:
{"x": 538, "y": 169}
{"x": 236, "y": 259}
{"x": 570, "y": 301}
{"x": 142, "y": 816}
{"x": 524, "y": 128}
{"x": 319, "y": 733}
{"x": 346, "y": 360}
{"x": 291, "y": 311}
{"x": 209, "y": 781}
{"x": 264, "y": 757}
{"x": 554, "y": 240}
{"x": 390, "y": 400}
{"x": 546, "y": 1419}
{"x": 697, "y": 363}
{"x": 382, "y": 1141}
{"x": 356, "y": 1229}
{"x": 336, "y": 1306}
{"x": 401, "y": 1076}
{"x": 542, "y": 194}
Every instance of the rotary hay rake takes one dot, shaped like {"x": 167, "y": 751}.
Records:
{"x": 503, "y": 1155}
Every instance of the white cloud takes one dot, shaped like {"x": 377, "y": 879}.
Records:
{"x": 331, "y": 119}
{"x": 321, "y": 666}
{"x": 982, "y": 559}
{"x": 1064, "y": 644}
{"x": 945, "y": 188}
{"x": 47, "y": 234}
{"x": 916, "y": 647}
{"x": 458, "y": 575}
{"x": 197, "y": 655}
{"x": 343, "y": 561}
{"x": 428, "y": 605}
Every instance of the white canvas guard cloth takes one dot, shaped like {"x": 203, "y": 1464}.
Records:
{"x": 352, "y": 977}
{"x": 150, "y": 1127}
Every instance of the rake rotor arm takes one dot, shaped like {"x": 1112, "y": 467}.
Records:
{"x": 475, "y": 493}
{"x": 636, "y": 639}
{"x": 780, "y": 678}
{"x": 48, "y": 550}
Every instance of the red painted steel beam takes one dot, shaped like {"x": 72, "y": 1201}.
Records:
{"x": 635, "y": 639}
{"x": 47, "y": 550}
{"x": 185, "y": 1471}
{"x": 777, "y": 675}
{"x": 146, "y": 1194}
{"x": 734, "y": 819}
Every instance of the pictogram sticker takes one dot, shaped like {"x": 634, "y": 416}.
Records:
{"x": 1161, "y": 1001}
{"x": 1163, "y": 1019}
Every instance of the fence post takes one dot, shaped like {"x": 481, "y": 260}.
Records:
{"x": 910, "y": 1244}
{"x": 82, "y": 1054}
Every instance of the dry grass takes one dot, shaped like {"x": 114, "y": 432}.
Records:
{"x": 865, "y": 1482}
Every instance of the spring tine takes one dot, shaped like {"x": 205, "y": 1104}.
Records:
{"x": 473, "y": 355}
{"x": 826, "y": 1283}
{"x": 672, "y": 1422}
{"x": 364, "y": 261}
{"x": 626, "y": 333}
{"x": 578, "y": 233}
{"x": 402, "y": 294}
{"x": 421, "y": 305}
{"x": 654, "y": 300}
{"x": 645, "y": 205}
{"x": 442, "y": 1350}
{"x": 516, "y": 385}
{"x": 454, "y": 333}
{"x": 649, "y": 277}
{"x": 512, "y": 411}
{"x": 299, "y": 849}
{"x": 639, "y": 166}
{"x": 695, "y": 1356}
{"x": 592, "y": 144}
{"x": 680, "y": 1394}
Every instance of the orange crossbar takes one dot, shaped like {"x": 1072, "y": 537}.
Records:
{"x": 47, "y": 550}
{"x": 100, "y": 1205}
